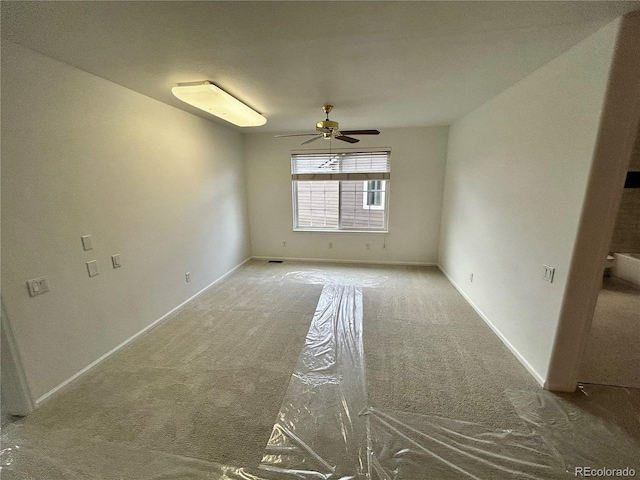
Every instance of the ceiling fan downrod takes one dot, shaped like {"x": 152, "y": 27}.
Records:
{"x": 327, "y": 126}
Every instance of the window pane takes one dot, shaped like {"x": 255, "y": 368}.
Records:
{"x": 317, "y": 204}
{"x": 356, "y": 213}
{"x": 374, "y": 195}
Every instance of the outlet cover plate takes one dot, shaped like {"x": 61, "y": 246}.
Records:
{"x": 548, "y": 273}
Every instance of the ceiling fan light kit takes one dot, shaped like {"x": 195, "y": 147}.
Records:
{"x": 212, "y": 99}
{"x": 329, "y": 129}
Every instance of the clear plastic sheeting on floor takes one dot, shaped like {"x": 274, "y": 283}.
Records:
{"x": 40, "y": 453}
{"x": 590, "y": 429}
{"x": 326, "y": 430}
{"x": 408, "y": 446}
{"x": 319, "y": 431}
{"x": 559, "y": 436}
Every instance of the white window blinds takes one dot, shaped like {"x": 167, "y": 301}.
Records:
{"x": 340, "y": 166}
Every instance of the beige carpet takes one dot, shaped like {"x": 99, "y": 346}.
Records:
{"x": 427, "y": 351}
{"x": 612, "y": 356}
{"x": 207, "y": 384}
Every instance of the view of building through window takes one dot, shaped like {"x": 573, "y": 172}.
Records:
{"x": 374, "y": 194}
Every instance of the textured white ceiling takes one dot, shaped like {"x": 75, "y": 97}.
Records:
{"x": 382, "y": 64}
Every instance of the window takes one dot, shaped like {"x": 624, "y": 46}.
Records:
{"x": 373, "y": 195}
{"x": 340, "y": 191}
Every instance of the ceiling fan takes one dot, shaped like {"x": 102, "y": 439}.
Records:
{"x": 329, "y": 129}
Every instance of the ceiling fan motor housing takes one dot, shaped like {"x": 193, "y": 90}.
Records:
{"x": 329, "y": 129}
{"x": 327, "y": 125}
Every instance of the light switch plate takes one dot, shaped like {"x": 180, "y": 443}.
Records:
{"x": 37, "y": 286}
{"x": 115, "y": 260}
{"x": 87, "y": 244}
{"x": 547, "y": 273}
{"x": 92, "y": 267}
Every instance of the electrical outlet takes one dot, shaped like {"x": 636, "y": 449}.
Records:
{"x": 187, "y": 277}
{"x": 330, "y": 244}
{"x": 284, "y": 244}
{"x": 547, "y": 273}
{"x": 471, "y": 277}
{"x": 367, "y": 246}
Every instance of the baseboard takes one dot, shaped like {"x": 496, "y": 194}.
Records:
{"x": 155, "y": 323}
{"x": 504, "y": 340}
{"x": 333, "y": 260}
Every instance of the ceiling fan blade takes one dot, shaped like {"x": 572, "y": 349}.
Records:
{"x": 344, "y": 138}
{"x": 360, "y": 132}
{"x": 312, "y": 139}
{"x": 295, "y": 135}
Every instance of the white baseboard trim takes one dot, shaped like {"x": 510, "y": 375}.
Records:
{"x": 155, "y": 323}
{"x": 504, "y": 340}
{"x": 333, "y": 260}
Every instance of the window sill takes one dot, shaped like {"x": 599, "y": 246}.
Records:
{"x": 319, "y": 230}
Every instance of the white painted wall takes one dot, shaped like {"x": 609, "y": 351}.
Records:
{"x": 616, "y": 136}
{"x": 516, "y": 176}
{"x": 84, "y": 156}
{"x": 417, "y": 173}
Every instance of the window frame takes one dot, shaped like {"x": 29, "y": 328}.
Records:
{"x": 340, "y": 228}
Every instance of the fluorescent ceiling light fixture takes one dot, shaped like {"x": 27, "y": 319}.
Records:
{"x": 206, "y": 96}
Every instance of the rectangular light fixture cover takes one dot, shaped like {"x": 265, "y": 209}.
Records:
{"x": 208, "y": 97}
